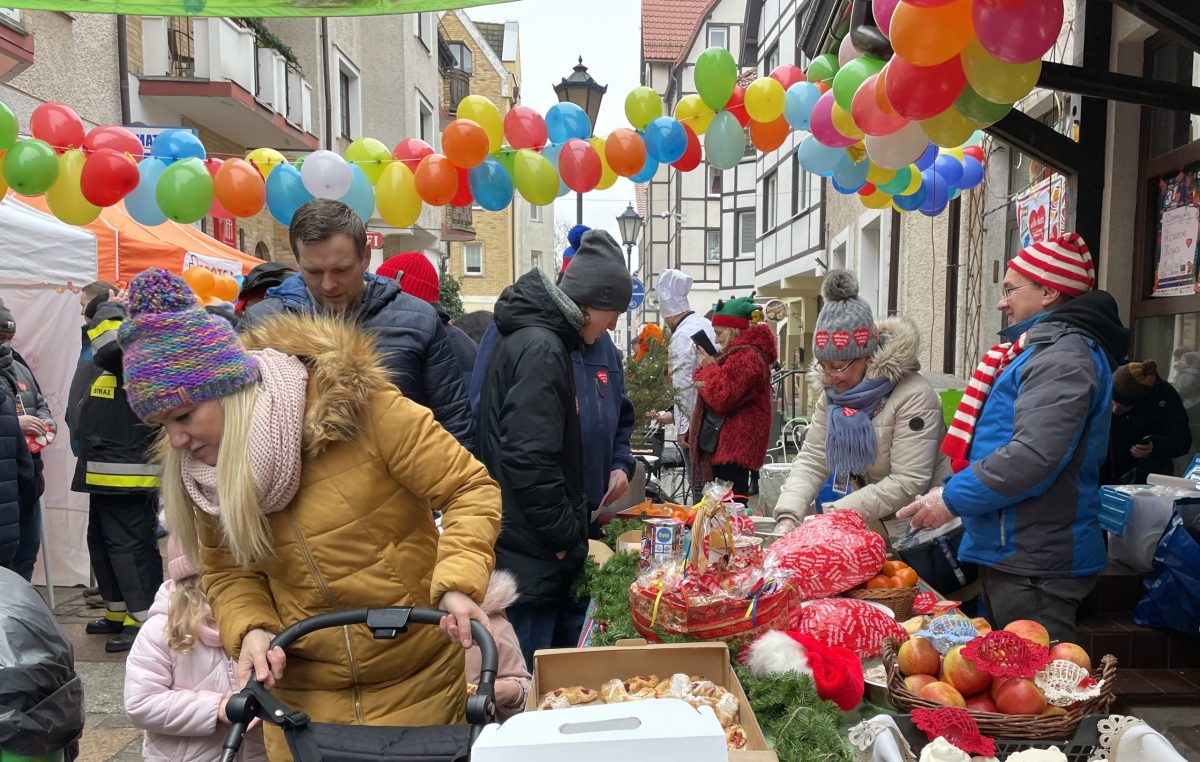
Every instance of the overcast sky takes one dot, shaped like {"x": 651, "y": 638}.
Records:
{"x": 554, "y": 33}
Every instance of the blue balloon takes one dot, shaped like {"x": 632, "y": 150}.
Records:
{"x": 491, "y": 185}
{"x": 819, "y": 158}
{"x": 177, "y": 144}
{"x": 948, "y": 167}
{"x": 933, "y": 211}
{"x": 725, "y": 141}
{"x": 840, "y": 188}
{"x": 552, "y": 152}
{"x": 937, "y": 192}
{"x": 647, "y": 172}
{"x": 141, "y": 203}
{"x": 798, "y": 106}
{"x": 666, "y": 140}
{"x": 565, "y": 121}
{"x": 286, "y": 193}
{"x": 912, "y": 202}
{"x": 361, "y": 196}
{"x": 972, "y": 173}
{"x": 850, "y": 173}
{"x": 925, "y": 160}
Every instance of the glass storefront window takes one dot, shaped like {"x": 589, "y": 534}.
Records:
{"x": 1173, "y": 342}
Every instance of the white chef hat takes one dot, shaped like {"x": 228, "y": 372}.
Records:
{"x": 672, "y": 292}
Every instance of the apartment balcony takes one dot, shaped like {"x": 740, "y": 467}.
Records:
{"x": 458, "y": 86}
{"x": 16, "y": 44}
{"x": 458, "y": 224}
{"x": 212, "y": 71}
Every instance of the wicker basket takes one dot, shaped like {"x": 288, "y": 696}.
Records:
{"x": 898, "y": 599}
{"x": 1017, "y": 726}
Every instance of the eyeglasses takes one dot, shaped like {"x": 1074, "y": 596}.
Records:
{"x": 1008, "y": 292}
{"x": 839, "y": 371}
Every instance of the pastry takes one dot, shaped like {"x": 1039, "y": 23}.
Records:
{"x": 735, "y": 737}
{"x": 727, "y": 709}
{"x": 677, "y": 686}
{"x": 472, "y": 689}
{"x": 613, "y": 692}
{"x": 707, "y": 688}
{"x": 550, "y": 701}
{"x": 698, "y": 701}
{"x": 635, "y": 684}
{"x": 641, "y": 695}
{"x": 574, "y": 695}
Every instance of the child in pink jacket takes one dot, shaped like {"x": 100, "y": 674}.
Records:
{"x": 178, "y": 678}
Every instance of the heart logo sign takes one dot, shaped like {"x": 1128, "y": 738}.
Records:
{"x": 841, "y": 339}
{"x": 1037, "y": 224}
{"x": 821, "y": 339}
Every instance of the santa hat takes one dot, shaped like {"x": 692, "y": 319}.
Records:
{"x": 1063, "y": 263}
{"x": 836, "y": 671}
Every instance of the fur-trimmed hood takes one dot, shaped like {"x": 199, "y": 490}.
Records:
{"x": 897, "y": 358}
{"x": 502, "y": 592}
{"x": 344, "y": 370}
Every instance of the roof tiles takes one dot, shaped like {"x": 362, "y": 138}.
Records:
{"x": 668, "y": 27}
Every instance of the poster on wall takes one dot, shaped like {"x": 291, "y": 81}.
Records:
{"x": 216, "y": 264}
{"x": 1175, "y": 240}
{"x": 1040, "y": 211}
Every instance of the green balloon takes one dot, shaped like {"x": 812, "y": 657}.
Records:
{"x": 642, "y": 106}
{"x": 508, "y": 159}
{"x": 8, "y": 128}
{"x": 848, "y": 79}
{"x": 978, "y": 109}
{"x": 185, "y": 191}
{"x": 716, "y": 76}
{"x": 31, "y": 167}
{"x": 898, "y": 182}
{"x": 822, "y": 69}
{"x": 534, "y": 177}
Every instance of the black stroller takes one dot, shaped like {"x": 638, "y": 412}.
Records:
{"x": 314, "y": 741}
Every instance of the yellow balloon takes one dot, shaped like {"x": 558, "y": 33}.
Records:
{"x": 265, "y": 160}
{"x": 949, "y": 128}
{"x": 607, "y": 175}
{"x": 877, "y": 175}
{"x": 914, "y": 183}
{"x": 844, "y": 124}
{"x": 765, "y": 99}
{"x": 694, "y": 112}
{"x": 396, "y": 196}
{"x": 956, "y": 152}
{"x": 483, "y": 112}
{"x": 65, "y": 198}
{"x": 877, "y": 200}
{"x": 995, "y": 80}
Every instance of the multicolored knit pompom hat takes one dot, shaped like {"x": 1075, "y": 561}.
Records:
{"x": 175, "y": 353}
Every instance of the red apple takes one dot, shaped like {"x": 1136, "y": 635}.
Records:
{"x": 918, "y": 657}
{"x": 1072, "y": 653}
{"x": 1053, "y": 711}
{"x": 917, "y": 682}
{"x": 982, "y": 626}
{"x": 942, "y": 693}
{"x": 996, "y": 683}
{"x": 962, "y": 674}
{"x": 982, "y": 703}
{"x": 1030, "y": 630}
{"x": 1020, "y": 696}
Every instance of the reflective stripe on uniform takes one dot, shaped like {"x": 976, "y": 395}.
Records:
{"x": 104, "y": 386}
{"x": 126, "y": 475}
{"x": 124, "y": 482}
{"x": 103, "y": 334}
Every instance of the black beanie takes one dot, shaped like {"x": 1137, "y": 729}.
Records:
{"x": 597, "y": 276}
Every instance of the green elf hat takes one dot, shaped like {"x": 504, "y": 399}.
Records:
{"x": 737, "y": 313}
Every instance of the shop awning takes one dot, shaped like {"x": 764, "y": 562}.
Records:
{"x": 247, "y": 8}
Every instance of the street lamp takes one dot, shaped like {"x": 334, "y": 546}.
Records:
{"x": 586, "y": 93}
{"x": 630, "y": 224}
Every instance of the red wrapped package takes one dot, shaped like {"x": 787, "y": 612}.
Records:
{"x": 827, "y": 554}
{"x": 850, "y": 623}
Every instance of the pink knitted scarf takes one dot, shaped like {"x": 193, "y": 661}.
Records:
{"x": 276, "y": 430}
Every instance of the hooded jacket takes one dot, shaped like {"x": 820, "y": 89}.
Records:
{"x": 1029, "y": 499}
{"x": 465, "y": 349}
{"x": 409, "y": 337}
{"x": 176, "y": 697}
{"x": 908, "y": 431}
{"x": 360, "y": 533}
{"x": 529, "y": 438}
{"x": 1160, "y": 417}
{"x": 502, "y": 593}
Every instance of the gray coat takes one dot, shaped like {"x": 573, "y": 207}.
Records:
{"x": 24, "y": 385}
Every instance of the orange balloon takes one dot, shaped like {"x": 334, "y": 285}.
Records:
{"x": 930, "y": 36}
{"x": 240, "y": 188}
{"x": 437, "y": 180}
{"x": 201, "y": 280}
{"x": 767, "y": 136}
{"x": 881, "y": 99}
{"x": 226, "y": 289}
{"x": 625, "y": 152}
{"x": 465, "y": 143}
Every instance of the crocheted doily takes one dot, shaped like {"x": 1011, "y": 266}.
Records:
{"x": 1005, "y": 654}
{"x": 955, "y": 725}
{"x": 1066, "y": 683}
{"x": 1111, "y": 729}
{"x": 948, "y": 631}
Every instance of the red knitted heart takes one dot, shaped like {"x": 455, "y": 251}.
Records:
{"x": 841, "y": 339}
{"x": 821, "y": 339}
{"x": 860, "y": 336}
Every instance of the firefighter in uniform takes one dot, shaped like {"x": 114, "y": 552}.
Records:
{"x": 114, "y": 467}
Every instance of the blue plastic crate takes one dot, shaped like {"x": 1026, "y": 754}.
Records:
{"x": 1115, "y": 507}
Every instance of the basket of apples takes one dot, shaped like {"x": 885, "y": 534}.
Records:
{"x": 1013, "y": 682}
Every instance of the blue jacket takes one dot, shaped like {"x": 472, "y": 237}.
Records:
{"x": 1030, "y": 498}
{"x": 410, "y": 340}
{"x": 16, "y": 476}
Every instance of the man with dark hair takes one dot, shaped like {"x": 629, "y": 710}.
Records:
{"x": 330, "y": 244}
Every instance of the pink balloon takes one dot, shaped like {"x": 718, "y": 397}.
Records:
{"x": 579, "y": 165}
{"x": 821, "y": 124}
{"x": 217, "y": 209}
{"x": 867, "y": 115}
{"x": 882, "y": 10}
{"x": 1017, "y": 32}
{"x": 922, "y": 92}
{"x": 786, "y": 74}
{"x": 525, "y": 128}
{"x": 846, "y": 51}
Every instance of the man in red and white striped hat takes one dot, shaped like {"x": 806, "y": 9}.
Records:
{"x": 1029, "y": 438}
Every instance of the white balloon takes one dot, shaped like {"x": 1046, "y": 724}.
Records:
{"x": 326, "y": 175}
{"x": 899, "y": 149}
{"x": 846, "y": 51}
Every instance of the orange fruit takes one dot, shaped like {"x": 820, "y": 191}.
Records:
{"x": 894, "y": 581}
{"x": 890, "y": 568}
{"x": 877, "y": 582}
{"x": 907, "y": 576}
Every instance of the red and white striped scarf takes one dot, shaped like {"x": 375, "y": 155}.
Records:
{"x": 957, "y": 444}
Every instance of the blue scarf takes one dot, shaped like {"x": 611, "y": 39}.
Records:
{"x": 850, "y": 439}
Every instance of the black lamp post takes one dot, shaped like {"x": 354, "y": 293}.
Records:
{"x": 630, "y": 224}
{"x": 586, "y": 93}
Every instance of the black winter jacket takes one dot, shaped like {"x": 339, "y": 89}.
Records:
{"x": 410, "y": 339}
{"x": 529, "y": 439}
{"x": 465, "y": 348}
{"x": 1161, "y": 417}
{"x": 16, "y": 476}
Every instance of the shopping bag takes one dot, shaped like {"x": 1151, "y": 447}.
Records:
{"x": 1172, "y": 599}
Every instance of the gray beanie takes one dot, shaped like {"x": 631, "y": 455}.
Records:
{"x": 845, "y": 328}
{"x": 7, "y": 323}
{"x": 597, "y": 276}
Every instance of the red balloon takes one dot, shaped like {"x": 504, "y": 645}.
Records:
{"x": 579, "y": 165}
{"x": 411, "y": 151}
{"x": 107, "y": 177}
{"x": 437, "y": 180}
{"x": 525, "y": 128}
{"x": 923, "y": 92}
{"x": 866, "y": 114}
{"x": 787, "y": 75}
{"x": 58, "y": 125}
{"x": 625, "y": 152}
{"x": 115, "y": 137}
{"x": 867, "y": 189}
{"x": 691, "y": 157}
{"x": 736, "y": 105}
{"x": 974, "y": 151}
{"x": 463, "y": 197}
{"x": 217, "y": 209}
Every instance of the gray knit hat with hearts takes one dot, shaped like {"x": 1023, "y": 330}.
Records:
{"x": 845, "y": 327}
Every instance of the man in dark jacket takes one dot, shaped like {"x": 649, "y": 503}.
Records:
{"x": 1149, "y": 426}
{"x": 330, "y": 243}
{"x": 529, "y": 432}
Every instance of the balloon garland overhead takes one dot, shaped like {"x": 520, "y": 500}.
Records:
{"x": 901, "y": 132}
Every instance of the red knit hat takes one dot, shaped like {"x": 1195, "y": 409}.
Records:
{"x": 416, "y": 275}
{"x": 1062, "y": 263}
{"x": 836, "y": 671}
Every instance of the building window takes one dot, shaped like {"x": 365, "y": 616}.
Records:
{"x": 770, "y": 202}
{"x": 424, "y": 29}
{"x": 535, "y": 213}
{"x": 349, "y": 97}
{"x": 712, "y": 246}
{"x": 799, "y": 185}
{"x": 713, "y": 181}
{"x": 425, "y": 119}
{"x": 11, "y": 14}
{"x": 718, "y": 36}
{"x": 745, "y": 233}
{"x": 772, "y": 59}
{"x": 473, "y": 258}
{"x": 535, "y": 259}
{"x": 462, "y": 56}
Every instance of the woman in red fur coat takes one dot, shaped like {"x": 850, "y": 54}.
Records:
{"x": 734, "y": 386}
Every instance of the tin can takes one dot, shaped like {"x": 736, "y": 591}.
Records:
{"x": 662, "y": 541}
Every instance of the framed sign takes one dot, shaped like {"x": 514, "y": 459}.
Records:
{"x": 1040, "y": 212}
{"x": 1175, "y": 241}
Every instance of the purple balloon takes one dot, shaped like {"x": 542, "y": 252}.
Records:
{"x": 821, "y": 124}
